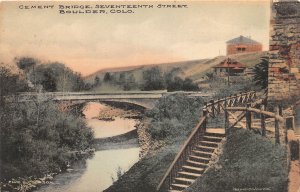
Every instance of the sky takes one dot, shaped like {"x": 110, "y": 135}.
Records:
{"x": 90, "y": 42}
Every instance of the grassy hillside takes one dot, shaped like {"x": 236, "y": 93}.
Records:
{"x": 248, "y": 161}
{"x": 195, "y": 69}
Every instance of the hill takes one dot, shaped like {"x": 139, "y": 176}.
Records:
{"x": 194, "y": 69}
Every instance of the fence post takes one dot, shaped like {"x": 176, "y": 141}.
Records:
{"x": 226, "y": 126}
{"x": 277, "y": 136}
{"x": 212, "y": 107}
{"x": 285, "y": 132}
{"x": 236, "y": 100}
{"x": 204, "y": 113}
{"x": 248, "y": 117}
{"x": 219, "y": 106}
{"x": 262, "y": 121}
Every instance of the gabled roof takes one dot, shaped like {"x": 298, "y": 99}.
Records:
{"x": 242, "y": 40}
{"x": 230, "y": 63}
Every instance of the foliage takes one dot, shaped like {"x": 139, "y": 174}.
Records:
{"x": 119, "y": 172}
{"x": 97, "y": 81}
{"x": 51, "y": 76}
{"x": 173, "y": 116}
{"x": 36, "y": 137}
{"x": 107, "y": 77}
{"x": 26, "y": 63}
{"x": 153, "y": 79}
{"x": 248, "y": 161}
{"x": 10, "y": 83}
{"x": 56, "y": 77}
{"x": 261, "y": 73}
{"x": 237, "y": 84}
{"x": 178, "y": 84}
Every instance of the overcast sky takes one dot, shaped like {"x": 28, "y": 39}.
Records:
{"x": 90, "y": 42}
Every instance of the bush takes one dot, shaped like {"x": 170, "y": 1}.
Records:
{"x": 248, "y": 161}
{"x": 35, "y": 136}
{"x": 174, "y": 115}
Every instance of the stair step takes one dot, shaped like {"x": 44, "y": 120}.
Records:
{"x": 209, "y": 143}
{"x": 178, "y": 186}
{"x": 201, "y": 159}
{"x": 197, "y": 163}
{"x": 202, "y": 153}
{"x": 215, "y": 135}
{"x": 205, "y": 148}
{"x": 189, "y": 174}
{"x": 212, "y": 138}
{"x": 184, "y": 180}
{"x": 193, "y": 168}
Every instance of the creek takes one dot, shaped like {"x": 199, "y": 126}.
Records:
{"x": 98, "y": 172}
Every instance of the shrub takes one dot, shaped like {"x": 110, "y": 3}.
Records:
{"x": 174, "y": 115}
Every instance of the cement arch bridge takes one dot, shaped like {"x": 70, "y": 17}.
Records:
{"x": 145, "y": 99}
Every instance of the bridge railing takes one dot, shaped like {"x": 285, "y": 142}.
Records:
{"x": 209, "y": 110}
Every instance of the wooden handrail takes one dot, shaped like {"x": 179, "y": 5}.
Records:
{"x": 196, "y": 129}
{"x": 231, "y": 97}
{"x": 258, "y": 111}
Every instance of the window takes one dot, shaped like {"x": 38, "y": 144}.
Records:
{"x": 241, "y": 49}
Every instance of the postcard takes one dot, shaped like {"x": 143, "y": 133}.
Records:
{"x": 146, "y": 96}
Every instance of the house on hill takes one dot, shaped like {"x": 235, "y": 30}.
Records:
{"x": 242, "y": 44}
{"x": 229, "y": 66}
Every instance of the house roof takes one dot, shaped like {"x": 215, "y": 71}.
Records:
{"x": 242, "y": 40}
{"x": 230, "y": 63}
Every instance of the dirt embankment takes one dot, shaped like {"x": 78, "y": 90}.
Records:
{"x": 111, "y": 110}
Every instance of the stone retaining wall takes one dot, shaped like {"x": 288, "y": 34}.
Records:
{"x": 284, "y": 54}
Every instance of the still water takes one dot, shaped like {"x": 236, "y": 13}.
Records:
{"x": 98, "y": 172}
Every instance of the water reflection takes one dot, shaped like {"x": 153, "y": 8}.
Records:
{"x": 98, "y": 173}
{"x": 106, "y": 128}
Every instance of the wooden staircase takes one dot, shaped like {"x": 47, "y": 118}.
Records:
{"x": 193, "y": 158}
{"x": 197, "y": 161}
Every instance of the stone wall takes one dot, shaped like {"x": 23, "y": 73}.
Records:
{"x": 284, "y": 54}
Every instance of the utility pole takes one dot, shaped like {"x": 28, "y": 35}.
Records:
{"x": 228, "y": 72}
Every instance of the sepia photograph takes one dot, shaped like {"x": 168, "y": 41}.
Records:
{"x": 150, "y": 96}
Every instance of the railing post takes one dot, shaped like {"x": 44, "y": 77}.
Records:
{"x": 226, "y": 126}
{"x": 262, "y": 121}
{"x": 205, "y": 106}
{"x": 280, "y": 110}
{"x": 285, "y": 132}
{"x": 219, "y": 106}
{"x": 204, "y": 113}
{"x": 248, "y": 117}
{"x": 212, "y": 107}
{"x": 236, "y": 99}
{"x": 277, "y": 136}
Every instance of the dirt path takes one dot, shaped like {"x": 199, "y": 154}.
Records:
{"x": 294, "y": 177}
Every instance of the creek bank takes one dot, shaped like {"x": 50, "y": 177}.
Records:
{"x": 32, "y": 183}
{"x": 111, "y": 110}
{"x": 123, "y": 141}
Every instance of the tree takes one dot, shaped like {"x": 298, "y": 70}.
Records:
{"x": 261, "y": 73}
{"x": 107, "y": 77}
{"x": 153, "y": 79}
{"x": 130, "y": 83}
{"x": 26, "y": 63}
{"x": 97, "y": 81}
{"x": 10, "y": 83}
{"x": 189, "y": 85}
